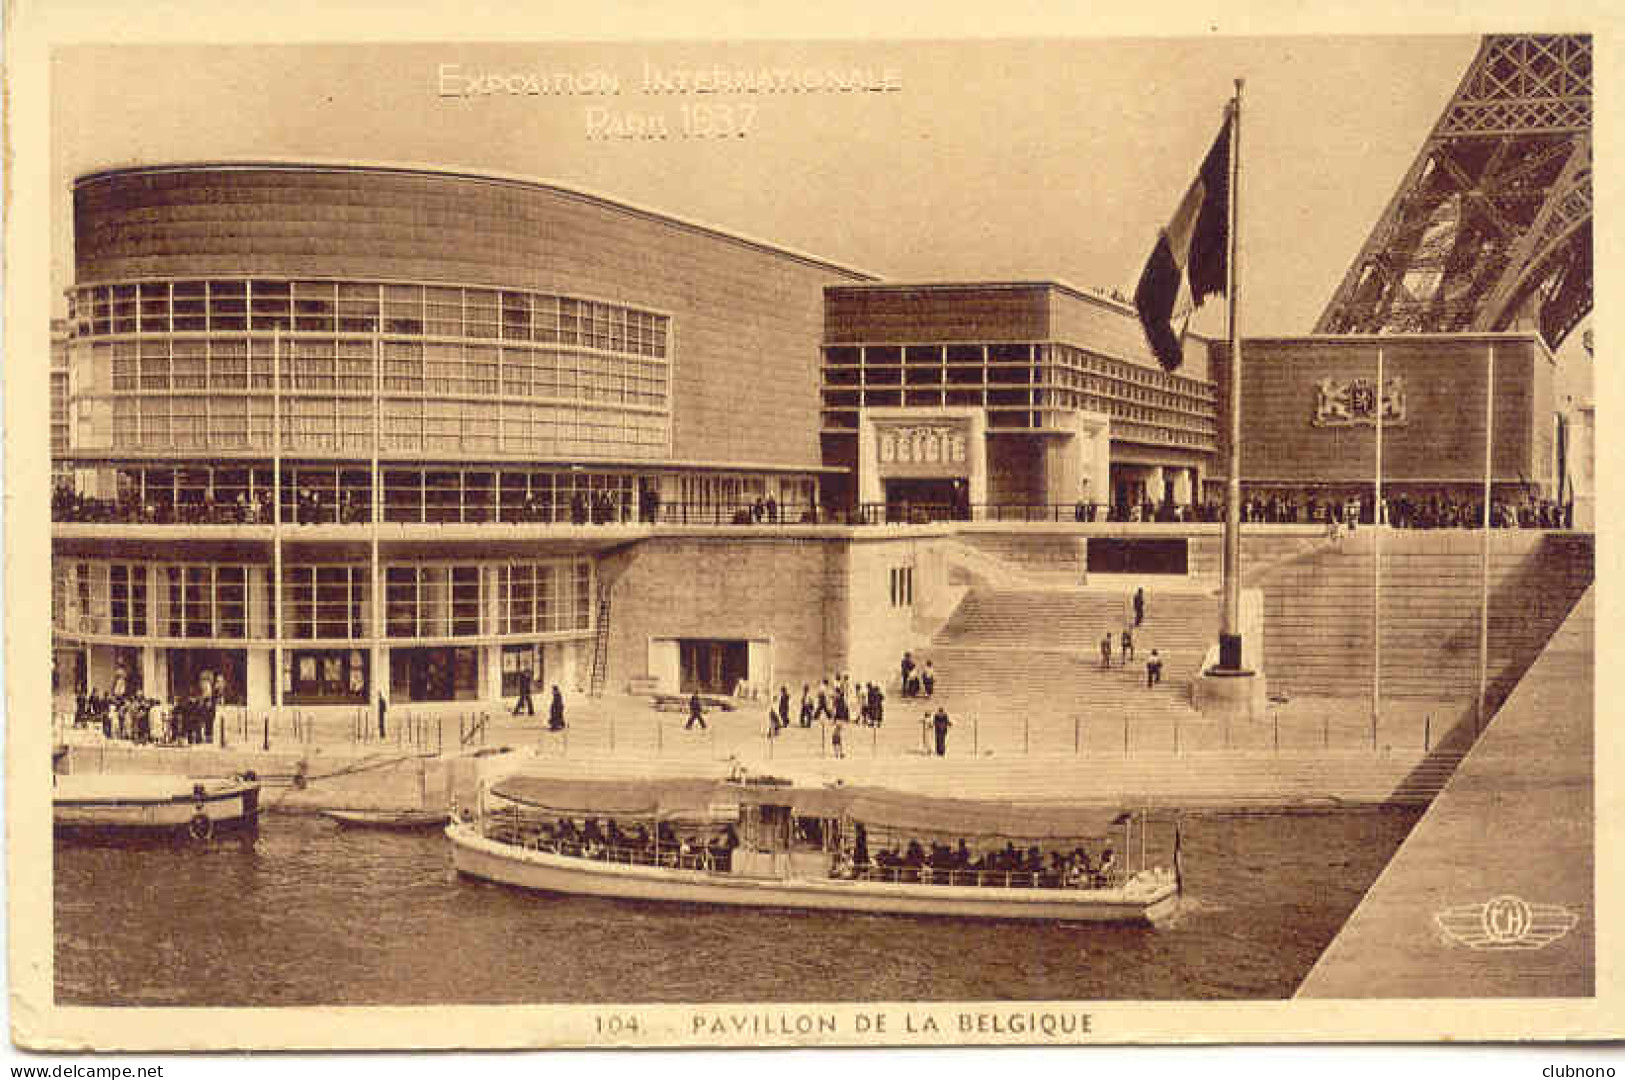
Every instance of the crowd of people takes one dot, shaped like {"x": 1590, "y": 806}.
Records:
{"x": 126, "y": 714}
{"x": 1404, "y": 512}
{"x": 835, "y": 700}
{"x": 942, "y": 864}
{"x": 913, "y": 861}
{"x": 309, "y": 507}
{"x": 606, "y": 839}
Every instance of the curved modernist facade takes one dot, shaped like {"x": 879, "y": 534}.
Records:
{"x": 427, "y": 349}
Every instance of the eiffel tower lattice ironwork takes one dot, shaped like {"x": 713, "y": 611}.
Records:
{"x": 1491, "y": 227}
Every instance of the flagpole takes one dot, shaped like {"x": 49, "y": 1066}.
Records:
{"x": 1230, "y": 613}
{"x": 1479, "y": 718}
{"x": 1377, "y": 521}
{"x": 377, "y": 661}
{"x": 276, "y": 521}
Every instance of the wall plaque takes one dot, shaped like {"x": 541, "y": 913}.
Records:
{"x": 1346, "y": 402}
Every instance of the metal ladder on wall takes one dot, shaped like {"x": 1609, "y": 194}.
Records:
{"x": 600, "y": 652}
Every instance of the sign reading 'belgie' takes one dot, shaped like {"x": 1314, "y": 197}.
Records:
{"x": 938, "y": 448}
{"x": 1346, "y": 402}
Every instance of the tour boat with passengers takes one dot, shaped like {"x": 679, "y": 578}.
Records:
{"x": 857, "y": 849}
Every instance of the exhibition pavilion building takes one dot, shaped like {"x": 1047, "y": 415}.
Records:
{"x": 407, "y": 433}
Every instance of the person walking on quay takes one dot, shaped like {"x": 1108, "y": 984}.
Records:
{"x": 823, "y": 701}
{"x": 835, "y": 739}
{"x": 928, "y": 679}
{"x": 524, "y": 704}
{"x": 806, "y": 706}
{"x": 940, "y": 725}
{"x": 696, "y": 715}
{"x": 784, "y": 706}
{"x": 1127, "y": 645}
{"x": 877, "y": 705}
{"x": 1153, "y": 670}
{"x": 1139, "y": 607}
{"x": 555, "y": 711}
{"x": 1106, "y": 650}
{"x": 843, "y": 712}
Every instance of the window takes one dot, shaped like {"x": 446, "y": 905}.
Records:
{"x": 902, "y": 586}
{"x": 128, "y": 589}
{"x": 432, "y": 601}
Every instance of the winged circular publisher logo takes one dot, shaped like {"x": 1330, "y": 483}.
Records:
{"x": 1506, "y": 922}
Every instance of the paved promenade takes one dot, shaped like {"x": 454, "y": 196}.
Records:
{"x": 1516, "y": 820}
{"x": 1315, "y": 753}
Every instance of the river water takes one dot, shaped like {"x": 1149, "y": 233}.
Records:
{"x": 306, "y": 913}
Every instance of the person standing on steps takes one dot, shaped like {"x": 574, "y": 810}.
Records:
{"x": 696, "y": 715}
{"x": 784, "y": 706}
{"x": 555, "y": 711}
{"x": 928, "y": 679}
{"x": 806, "y": 706}
{"x": 1139, "y": 607}
{"x": 940, "y": 725}
{"x": 1153, "y": 670}
{"x": 1106, "y": 650}
{"x": 1127, "y": 645}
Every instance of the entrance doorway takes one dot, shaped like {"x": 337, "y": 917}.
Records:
{"x": 1138, "y": 555}
{"x": 517, "y": 658}
{"x": 922, "y": 500}
{"x": 712, "y": 667}
{"x": 448, "y": 673}
{"x": 328, "y": 677}
{"x": 187, "y": 666}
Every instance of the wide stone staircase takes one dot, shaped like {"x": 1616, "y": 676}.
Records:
{"x": 1035, "y": 654}
{"x": 1319, "y": 611}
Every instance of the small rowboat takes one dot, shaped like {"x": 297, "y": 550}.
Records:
{"x": 100, "y": 804}
{"x": 388, "y": 819}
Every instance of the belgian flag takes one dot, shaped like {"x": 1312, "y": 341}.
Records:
{"x": 1191, "y": 259}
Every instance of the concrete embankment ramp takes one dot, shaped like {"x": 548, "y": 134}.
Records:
{"x": 1492, "y": 894}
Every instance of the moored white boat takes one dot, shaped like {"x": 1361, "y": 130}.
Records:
{"x": 111, "y": 803}
{"x": 796, "y": 848}
{"x": 388, "y": 819}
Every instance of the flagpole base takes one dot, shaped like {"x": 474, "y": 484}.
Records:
{"x": 1230, "y": 694}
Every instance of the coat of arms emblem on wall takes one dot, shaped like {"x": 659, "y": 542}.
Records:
{"x": 1345, "y": 402}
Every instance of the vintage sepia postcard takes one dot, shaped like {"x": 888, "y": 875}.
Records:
{"x": 624, "y": 536}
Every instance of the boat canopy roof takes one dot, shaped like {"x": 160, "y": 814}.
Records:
{"x": 704, "y": 800}
{"x": 876, "y": 808}
{"x": 881, "y": 808}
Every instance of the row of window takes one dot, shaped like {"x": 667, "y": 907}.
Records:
{"x": 342, "y": 494}
{"x": 333, "y": 425}
{"x": 348, "y": 366}
{"x": 321, "y": 601}
{"x": 363, "y": 307}
{"x": 968, "y": 365}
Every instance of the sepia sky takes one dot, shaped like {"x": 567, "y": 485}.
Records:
{"x": 995, "y": 159}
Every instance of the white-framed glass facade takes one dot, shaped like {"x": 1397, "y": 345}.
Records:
{"x": 1023, "y": 387}
{"x": 188, "y": 365}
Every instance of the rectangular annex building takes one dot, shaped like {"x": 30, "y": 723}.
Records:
{"x": 1009, "y": 400}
